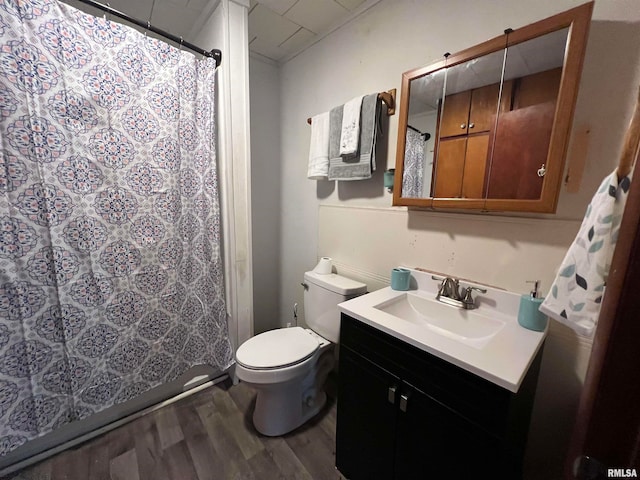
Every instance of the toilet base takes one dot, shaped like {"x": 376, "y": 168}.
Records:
{"x": 284, "y": 419}
{"x": 283, "y": 407}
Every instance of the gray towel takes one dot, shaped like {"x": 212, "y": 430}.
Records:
{"x": 361, "y": 165}
{"x": 335, "y": 128}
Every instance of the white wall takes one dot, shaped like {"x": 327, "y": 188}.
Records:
{"x": 367, "y": 237}
{"x": 265, "y": 196}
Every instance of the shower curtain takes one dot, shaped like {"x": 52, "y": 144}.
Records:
{"x": 413, "y": 173}
{"x": 110, "y": 264}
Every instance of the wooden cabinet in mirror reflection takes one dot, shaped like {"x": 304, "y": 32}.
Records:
{"x": 476, "y": 152}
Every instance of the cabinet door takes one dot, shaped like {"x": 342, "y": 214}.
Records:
{"x": 455, "y": 114}
{"x": 434, "y": 441}
{"x": 450, "y": 167}
{"x": 514, "y": 166}
{"x": 484, "y": 106}
{"x": 475, "y": 165}
{"x": 365, "y": 429}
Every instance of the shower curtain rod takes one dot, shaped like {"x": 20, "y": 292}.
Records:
{"x": 425, "y": 136}
{"x": 215, "y": 53}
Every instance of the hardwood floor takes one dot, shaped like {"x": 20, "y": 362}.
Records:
{"x": 208, "y": 435}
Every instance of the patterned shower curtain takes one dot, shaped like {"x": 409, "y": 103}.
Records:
{"x": 110, "y": 264}
{"x": 413, "y": 173}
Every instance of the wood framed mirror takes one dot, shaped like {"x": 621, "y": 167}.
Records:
{"x": 488, "y": 127}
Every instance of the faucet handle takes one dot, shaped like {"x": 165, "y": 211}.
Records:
{"x": 477, "y": 289}
{"x": 468, "y": 299}
{"x": 442, "y": 281}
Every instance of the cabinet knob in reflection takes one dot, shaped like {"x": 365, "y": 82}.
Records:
{"x": 463, "y": 125}
{"x": 471, "y": 125}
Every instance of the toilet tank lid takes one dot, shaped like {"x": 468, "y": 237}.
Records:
{"x": 336, "y": 283}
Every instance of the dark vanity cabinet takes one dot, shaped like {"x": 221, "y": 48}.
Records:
{"x": 404, "y": 413}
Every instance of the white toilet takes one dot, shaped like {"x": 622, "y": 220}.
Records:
{"x": 288, "y": 366}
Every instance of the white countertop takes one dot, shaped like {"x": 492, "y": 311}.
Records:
{"x": 504, "y": 360}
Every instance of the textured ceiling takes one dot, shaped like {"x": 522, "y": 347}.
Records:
{"x": 278, "y": 29}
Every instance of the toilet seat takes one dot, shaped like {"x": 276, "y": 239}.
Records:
{"x": 275, "y": 349}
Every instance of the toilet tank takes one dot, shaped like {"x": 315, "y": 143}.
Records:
{"x": 322, "y": 294}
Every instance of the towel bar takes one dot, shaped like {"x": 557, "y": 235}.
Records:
{"x": 389, "y": 98}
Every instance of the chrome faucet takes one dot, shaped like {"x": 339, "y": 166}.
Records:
{"x": 449, "y": 292}
{"x": 450, "y": 288}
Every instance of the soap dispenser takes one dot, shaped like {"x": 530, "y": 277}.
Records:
{"x": 528, "y": 314}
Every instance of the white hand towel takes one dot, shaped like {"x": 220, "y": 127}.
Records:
{"x": 350, "y": 133}
{"x": 319, "y": 148}
{"x": 576, "y": 293}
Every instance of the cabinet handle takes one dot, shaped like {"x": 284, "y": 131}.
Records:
{"x": 404, "y": 400}
{"x": 463, "y": 125}
{"x": 391, "y": 394}
{"x": 542, "y": 170}
{"x": 471, "y": 125}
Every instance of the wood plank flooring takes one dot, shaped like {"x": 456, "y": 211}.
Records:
{"x": 206, "y": 436}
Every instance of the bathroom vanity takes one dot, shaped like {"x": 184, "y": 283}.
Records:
{"x": 426, "y": 405}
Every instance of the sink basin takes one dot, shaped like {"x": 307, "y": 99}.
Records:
{"x": 469, "y": 327}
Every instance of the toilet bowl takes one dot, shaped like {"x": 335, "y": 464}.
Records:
{"x": 289, "y": 366}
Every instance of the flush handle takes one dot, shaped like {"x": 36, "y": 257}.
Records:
{"x": 391, "y": 394}
{"x": 304, "y": 285}
{"x": 404, "y": 401}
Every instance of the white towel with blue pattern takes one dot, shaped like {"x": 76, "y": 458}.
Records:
{"x": 577, "y": 291}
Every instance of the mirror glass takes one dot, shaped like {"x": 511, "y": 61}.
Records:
{"x": 520, "y": 145}
{"x": 425, "y": 100}
{"x": 469, "y": 113}
{"x": 488, "y": 128}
